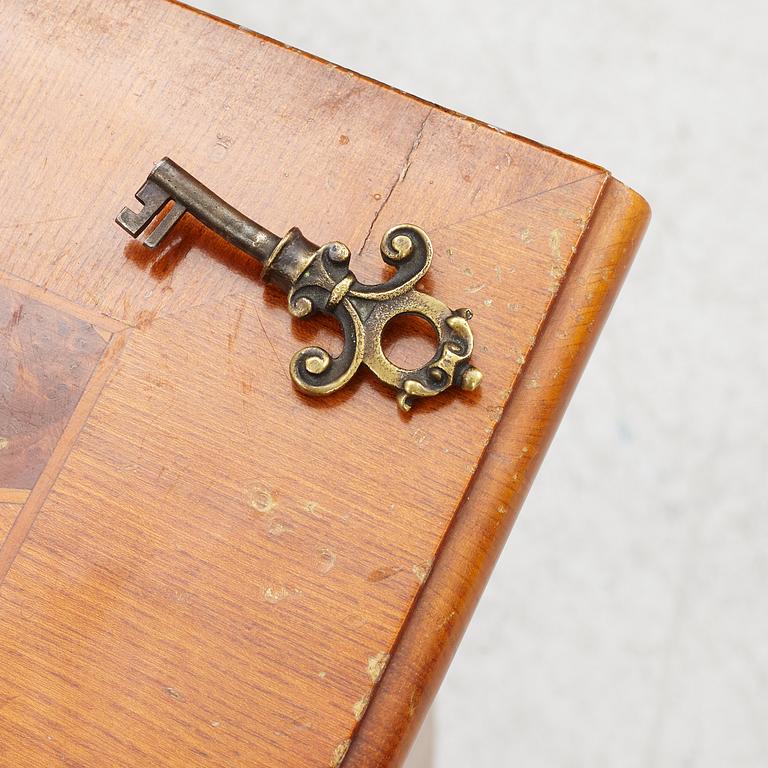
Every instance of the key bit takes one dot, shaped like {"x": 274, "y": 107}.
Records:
{"x": 318, "y": 279}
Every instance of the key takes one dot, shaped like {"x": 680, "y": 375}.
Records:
{"x": 318, "y": 279}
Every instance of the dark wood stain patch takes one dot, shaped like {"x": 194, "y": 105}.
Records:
{"x": 46, "y": 359}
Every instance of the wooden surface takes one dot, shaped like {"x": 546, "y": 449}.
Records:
{"x": 208, "y": 568}
{"x": 487, "y": 514}
{"x": 49, "y": 357}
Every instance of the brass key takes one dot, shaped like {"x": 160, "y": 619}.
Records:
{"x": 318, "y": 279}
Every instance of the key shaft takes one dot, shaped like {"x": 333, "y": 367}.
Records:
{"x": 169, "y": 181}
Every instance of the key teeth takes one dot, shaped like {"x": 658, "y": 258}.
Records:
{"x": 153, "y": 198}
{"x": 129, "y": 221}
{"x": 165, "y": 225}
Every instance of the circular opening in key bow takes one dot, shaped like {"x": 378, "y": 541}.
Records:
{"x": 409, "y": 341}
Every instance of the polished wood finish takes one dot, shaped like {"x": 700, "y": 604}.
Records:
{"x": 209, "y": 568}
{"x": 8, "y": 513}
{"x": 487, "y": 514}
{"x": 48, "y": 357}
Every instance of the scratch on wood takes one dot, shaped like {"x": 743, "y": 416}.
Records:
{"x": 275, "y": 527}
{"x": 381, "y": 574}
{"x": 174, "y": 694}
{"x": 269, "y": 341}
{"x": 326, "y": 560}
{"x": 260, "y": 498}
{"x": 554, "y": 243}
{"x": 421, "y": 572}
{"x": 358, "y": 710}
{"x": 517, "y": 201}
{"x": 339, "y": 753}
{"x": 399, "y": 180}
{"x": 38, "y": 222}
{"x": 232, "y": 337}
{"x": 275, "y": 594}
{"x": 377, "y": 664}
{"x": 412, "y": 704}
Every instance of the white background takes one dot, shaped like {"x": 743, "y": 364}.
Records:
{"x": 627, "y": 622}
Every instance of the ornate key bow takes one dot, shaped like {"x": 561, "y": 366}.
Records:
{"x": 318, "y": 279}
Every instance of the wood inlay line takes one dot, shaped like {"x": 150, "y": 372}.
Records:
{"x": 13, "y": 495}
{"x": 102, "y": 323}
{"x": 26, "y": 518}
{"x": 8, "y": 513}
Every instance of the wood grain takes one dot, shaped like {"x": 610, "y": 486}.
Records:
{"x": 486, "y": 516}
{"x": 8, "y": 513}
{"x": 48, "y": 357}
{"x": 211, "y": 568}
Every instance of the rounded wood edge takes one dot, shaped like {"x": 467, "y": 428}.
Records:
{"x": 482, "y": 523}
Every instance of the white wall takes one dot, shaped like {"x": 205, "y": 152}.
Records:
{"x": 627, "y": 623}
